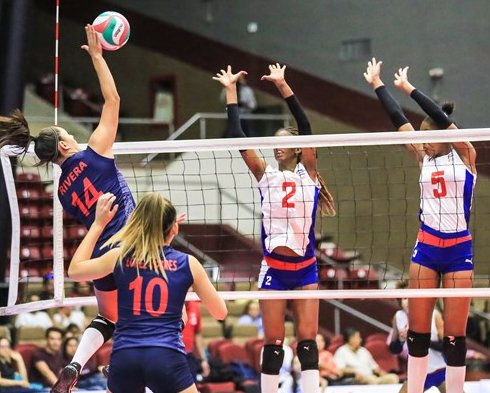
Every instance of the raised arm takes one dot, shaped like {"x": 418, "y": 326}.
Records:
{"x": 104, "y": 135}
{"x": 277, "y": 77}
{"x": 229, "y": 80}
{"x": 465, "y": 149}
{"x": 82, "y": 268}
{"x": 206, "y": 292}
{"x": 390, "y": 105}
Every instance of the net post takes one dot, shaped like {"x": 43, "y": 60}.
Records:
{"x": 58, "y": 262}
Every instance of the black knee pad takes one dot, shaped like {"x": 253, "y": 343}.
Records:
{"x": 103, "y": 325}
{"x": 418, "y": 344}
{"x": 454, "y": 350}
{"x": 272, "y": 359}
{"x": 308, "y": 355}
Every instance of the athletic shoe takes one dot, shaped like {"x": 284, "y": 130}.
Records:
{"x": 68, "y": 378}
{"x": 105, "y": 371}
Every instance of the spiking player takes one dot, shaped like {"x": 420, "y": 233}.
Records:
{"x": 443, "y": 251}
{"x": 85, "y": 176}
{"x": 290, "y": 195}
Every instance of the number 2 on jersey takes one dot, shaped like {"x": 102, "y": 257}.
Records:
{"x": 90, "y": 196}
{"x": 291, "y": 185}
{"x": 437, "y": 179}
{"x": 149, "y": 289}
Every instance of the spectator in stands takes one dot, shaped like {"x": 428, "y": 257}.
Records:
{"x": 356, "y": 360}
{"x": 251, "y": 316}
{"x": 47, "y": 292}
{"x": 13, "y": 373}
{"x": 192, "y": 337}
{"x": 91, "y": 377}
{"x": 73, "y": 330}
{"x": 328, "y": 368}
{"x": 67, "y": 315}
{"x": 83, "y": 288}
{"x": 47, "y": 362}
{"x": 35, "y": 318}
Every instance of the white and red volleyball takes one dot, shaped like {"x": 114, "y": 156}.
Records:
{"x": 113, "y": 29}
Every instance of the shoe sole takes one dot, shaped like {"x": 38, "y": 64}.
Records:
{"x": 66, "y": 382}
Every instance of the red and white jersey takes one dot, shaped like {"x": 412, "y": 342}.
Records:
{"x": 446, "y": 193}
{"x": 289, "y": 203}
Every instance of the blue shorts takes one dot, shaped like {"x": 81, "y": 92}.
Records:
{"x": 106, "y": 283}
{"x": 282, "y": 280}
{"x": 163, "y": 370}
{"x": 444, "y": 260}
{"x": 435, "y": 379}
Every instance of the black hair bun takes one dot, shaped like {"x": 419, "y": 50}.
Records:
{"x": 448, "y": 108}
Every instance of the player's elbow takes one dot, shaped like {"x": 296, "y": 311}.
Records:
{"x": 113, "y": 99}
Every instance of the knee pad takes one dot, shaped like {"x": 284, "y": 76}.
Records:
{"x": 418, "y": 344}
{"x": 272, "y": 359}
{"x": 454, "y": 350}
{"x": 308, "y": 355}
{"x": 103, "y": 325}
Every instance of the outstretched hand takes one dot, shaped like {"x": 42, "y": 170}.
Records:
{"x": 106, "y": 210}
{"x": 276, "y": 74}
{"x": 373, "y": 73}
{"x": 401, "y": 80}
{"x": 228, "y": 78}
{"x": 93, "y": 46}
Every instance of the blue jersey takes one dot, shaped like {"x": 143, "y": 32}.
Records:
{"x": 150, "y": 307}
{"x": 85, "y": 176}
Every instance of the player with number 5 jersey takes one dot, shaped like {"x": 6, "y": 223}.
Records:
{"x": 152, "y": 281}
{"x": 443, "y": 252}
{"x": 291, "y": 191}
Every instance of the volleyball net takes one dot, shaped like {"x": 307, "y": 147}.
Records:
{"x": 363, "y": 252}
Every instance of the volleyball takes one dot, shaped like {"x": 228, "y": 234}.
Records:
{"x": 113, "y": 29}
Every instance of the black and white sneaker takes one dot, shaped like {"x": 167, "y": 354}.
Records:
{"x": 105, "y": 371}
{"x": 68, "y": 378}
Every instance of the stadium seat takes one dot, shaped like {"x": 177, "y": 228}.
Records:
{"x": 218, "y": 387}
{"x": 28, "y": 211}
{"x": 32, "y": 194}
{"x": 28, "y": 178}
{"x": 235, "y": 309}
{"x": 231, "y": 352}
{"x": 242, "y": 333}
{"x": 254, "y": 351}
{"x": 30, "y": 253}
{"x": 385, "y": 359}
{"x": 103, "y": 355}
{"x": 46, "y": 212}
{"x": 334, "y": 277}
{"x": 47, "y": 251}
{"x": 30, "y": 232}
{"x": 376, "y": 337}
{"x": 215, "y": 344}
{"x": 335, "y": 343}
{"x": 75, "y": 232}
{"x": 31, "y": 334}
{"x": 26, "y": 351}
{"x": 47, "y": 231}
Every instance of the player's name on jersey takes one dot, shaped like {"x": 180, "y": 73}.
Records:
{"x": 71, "y": 177}
{"x": 168, "y": 264}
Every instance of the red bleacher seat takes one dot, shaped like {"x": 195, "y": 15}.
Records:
{"x": 47, "y": 211}
{"x": 30, "y": 253}
{"x": 220, "y": 387}
{"x": 29, "y": 193}
{"x": 26, "y": 351}
{"x": 376, "y": 337}
{"x": 28, "y": 178}
{"x": 30, "y": 232}
{"x": 28, "y": 211}
{"x": 47, "y": 232}
{"x": 254, "y": 350}
{"x": 215, "y": 344}
{"x": 75, "y": 232}
{"x": 364, "y": 277}
{"x": 47, "y": 251}
{"x": 335, "y": 343}
{"x": 334, "y": 277}
{"x": 231, "y": 352}
{"x": 103, "y": 355}
{"x": 385, "y": 359}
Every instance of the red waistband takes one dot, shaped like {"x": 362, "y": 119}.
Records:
{"x": 283, "y": 265}
{"x": 432, "y": 240}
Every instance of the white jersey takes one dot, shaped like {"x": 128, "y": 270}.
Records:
{"x": 436, "y": 360}
{"x": 289, "y": 202}
{"x": 446, "y": 193}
